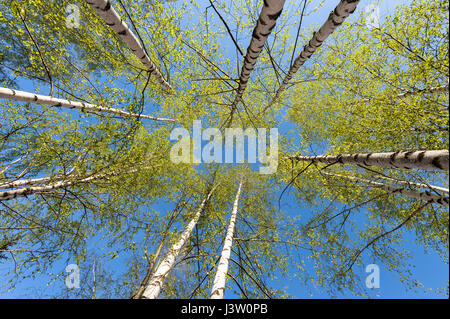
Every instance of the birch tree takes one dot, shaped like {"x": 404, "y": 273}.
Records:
{"x": 153, "y": 288}
{"x": 22, "y": 96}
{"x": 427, "y": 196}
{"x": 432, "y": 160}
{"x": 264, "y": 26}
{"x": 21, "y": 192}
{"x": 350, "y": 221}
{"x": 104, "y": 9}
{"x": 373, "y": 92}
{"x": 336, "y": 18}
{"x": 218, "y": 289}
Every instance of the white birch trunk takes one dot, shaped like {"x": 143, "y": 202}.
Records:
{"x": 104, "y": 9}
{"x": 336, "y": 18}
{"x": 157, "y": 281}
{"x": 437, "y": 89}
{"x": 429, "y": 160}
{"x": 6, "y": 195}
{"x": 420, "y": 185}
{"x": 425, "y": 196}
{"x": 218, "y": 289}
{"x": 26, "y": 182}
{"x": 12, "y": 163}
{"x": 21, "y": 192}
{"x": 23, "y": 96}
{"x": 264, "y": 26}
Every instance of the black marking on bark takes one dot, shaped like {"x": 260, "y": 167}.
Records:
{"x": 275, "y": 15}
{"x": 420, "y": 156}
{"x": 437, "y": 163}
{"x": 319, "y": 42}
{"x": 309, "y": 49}
{"x": 365, "y": 161}
{"x": 392, "y": 159}
{"x": 302, "y": 55}
{"x": 336, "y": 24}
{"x": 261, "y": 20}
{"x": 407, "y": 153}
{"x": 256, "y": 35}
{"x": 107, "y": 7}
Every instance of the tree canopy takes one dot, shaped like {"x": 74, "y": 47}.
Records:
{"x": 90, "y": 92}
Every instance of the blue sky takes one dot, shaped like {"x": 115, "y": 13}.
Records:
{"x": 429, "y": 268}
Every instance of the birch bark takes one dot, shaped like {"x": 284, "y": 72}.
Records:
{"x": 429, "y": 160}
{"x": 23, "y": 96}
{"x": 336, "y": 18}
{"x": 26, "y": 182}
{"x": 21, "y": 192}
{"x": 420, "y": 185}
{"x": 264, "y": 26}
{"x": 104, "y": 9}
{"x": 437, "y": 89}
{"x": 218, "y": 289}
{"x": 156, "y": 282}
{"x": 425, "y": 196}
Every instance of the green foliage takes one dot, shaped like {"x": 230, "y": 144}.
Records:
{"x": 122, "y": 197}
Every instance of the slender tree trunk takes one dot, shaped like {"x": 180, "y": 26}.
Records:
{"x": 425, "y": 196}
{"x": 156, "y": 282}
{"x": 336, "y": 18}
{"x": 16, "y": 160}
{"x": 94, "y": 281}
{"x": 27, "y": 182}
{"x": 420, "y": 185}
{"x": 264, "y": 26}
{"x": 437, "y": 89}
{"x": 429, "y": 160}
{"x": 21, "y": 192}
{"x": 22, "y": 96}
{"x": 218, "y": 289}
{"x": 150, "y": 268}
{"x": 400, "y": 130}
{"x": 17, "y": 182}
{"x": 104, "y": 9}
{"x": 152, "y": 264}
